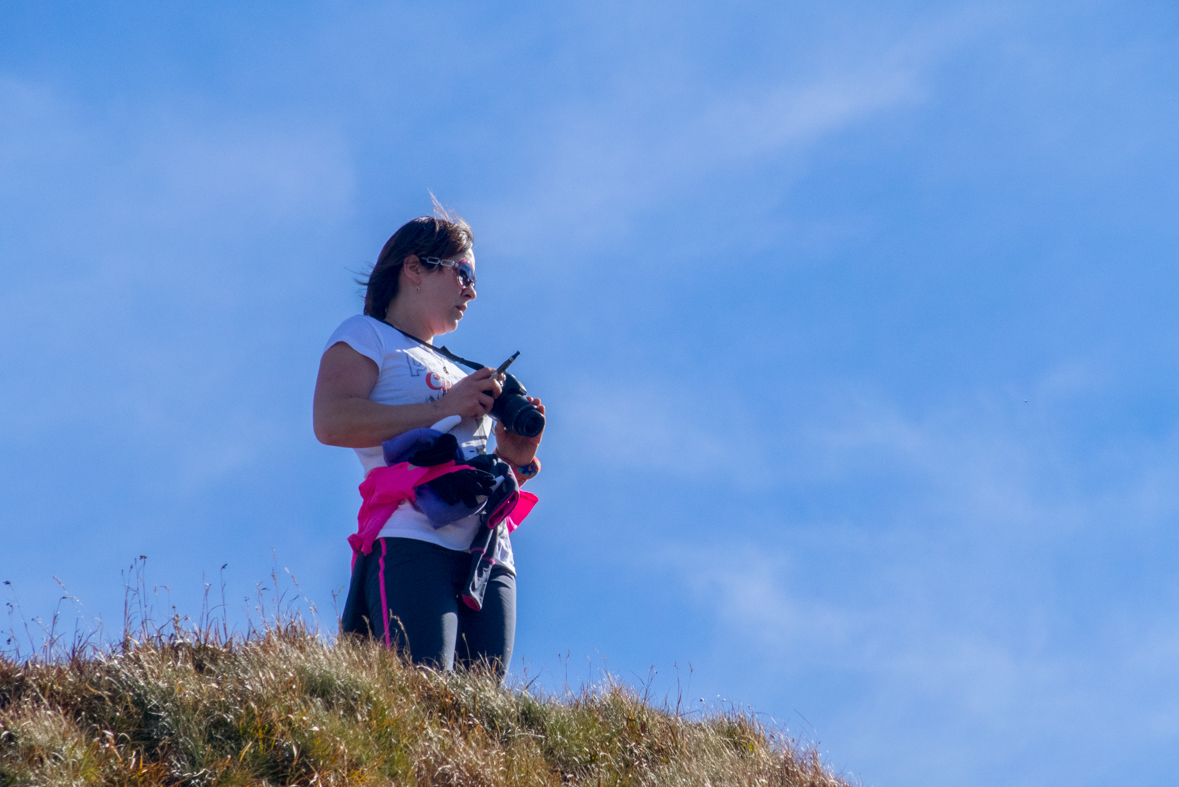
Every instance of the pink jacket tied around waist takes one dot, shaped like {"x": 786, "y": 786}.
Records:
{"x": 386, "y": 488}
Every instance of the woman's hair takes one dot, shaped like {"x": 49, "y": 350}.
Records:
{"x": 426, "y": 236}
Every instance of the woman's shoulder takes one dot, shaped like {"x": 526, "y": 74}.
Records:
{"x": 369, "y": 332}
{"x": 357, "y": 324}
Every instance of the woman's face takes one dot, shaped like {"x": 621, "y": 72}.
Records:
{"x": 444, "y": 297}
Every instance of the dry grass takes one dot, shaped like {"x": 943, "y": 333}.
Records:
{"x": 281, "y": 706}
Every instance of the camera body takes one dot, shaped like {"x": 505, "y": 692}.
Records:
{"x": 516, "y": 413}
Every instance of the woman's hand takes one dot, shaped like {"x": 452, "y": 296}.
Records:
{"x": 472, "y": 396}
{"x": 516, "y": 449}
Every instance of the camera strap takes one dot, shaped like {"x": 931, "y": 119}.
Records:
{"x": 445, "y": 353}
{"x": 456, "y": 358}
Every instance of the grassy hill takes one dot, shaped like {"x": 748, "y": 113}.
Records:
{"x": 283, "y": 707}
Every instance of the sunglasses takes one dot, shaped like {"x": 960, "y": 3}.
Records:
{"x": 464, "y": 269}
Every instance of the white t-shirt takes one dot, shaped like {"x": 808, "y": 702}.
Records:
{"x": 412, "y": 374}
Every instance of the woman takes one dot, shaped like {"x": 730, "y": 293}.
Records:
{"x": 381, "y": 377}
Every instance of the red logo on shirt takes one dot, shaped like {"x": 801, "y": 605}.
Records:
{"x": 436, "y": 383}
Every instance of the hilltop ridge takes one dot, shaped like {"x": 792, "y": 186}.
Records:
{"x": 282, "y": 706}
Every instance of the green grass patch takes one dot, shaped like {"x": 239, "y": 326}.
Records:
{"x": 280, "y": 706}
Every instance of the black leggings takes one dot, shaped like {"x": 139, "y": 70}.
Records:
{"x": 415, "y": 584}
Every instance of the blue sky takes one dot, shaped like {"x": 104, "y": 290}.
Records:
{"x": 855, "y": 324}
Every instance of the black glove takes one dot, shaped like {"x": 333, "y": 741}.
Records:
{"x": 502, "y": 472}
{"x": 444, "y": 449}
{"x": 465, "y": 485}
{"x": 488, "y": 463}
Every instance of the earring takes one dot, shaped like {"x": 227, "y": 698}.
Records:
{"x": 419, "y": 289}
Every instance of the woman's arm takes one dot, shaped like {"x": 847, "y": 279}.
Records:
{"x": 343, "y": 414}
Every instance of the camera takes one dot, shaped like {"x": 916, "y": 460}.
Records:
{"x": 516, "y": 413}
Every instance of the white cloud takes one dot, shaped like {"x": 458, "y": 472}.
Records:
{"x": 945, "y": 594}
{"x": 655, "y": 419}
{"x": 604, "y": 163}
{"x": 601, "y": 161}
{"x": 136, "y": 279}
{"x": 124, "y": 177}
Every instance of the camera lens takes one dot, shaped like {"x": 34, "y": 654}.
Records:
{"x": 515, "y": 412}
{"x": 518, "y": 415}
{"x": 529, "y": 422}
